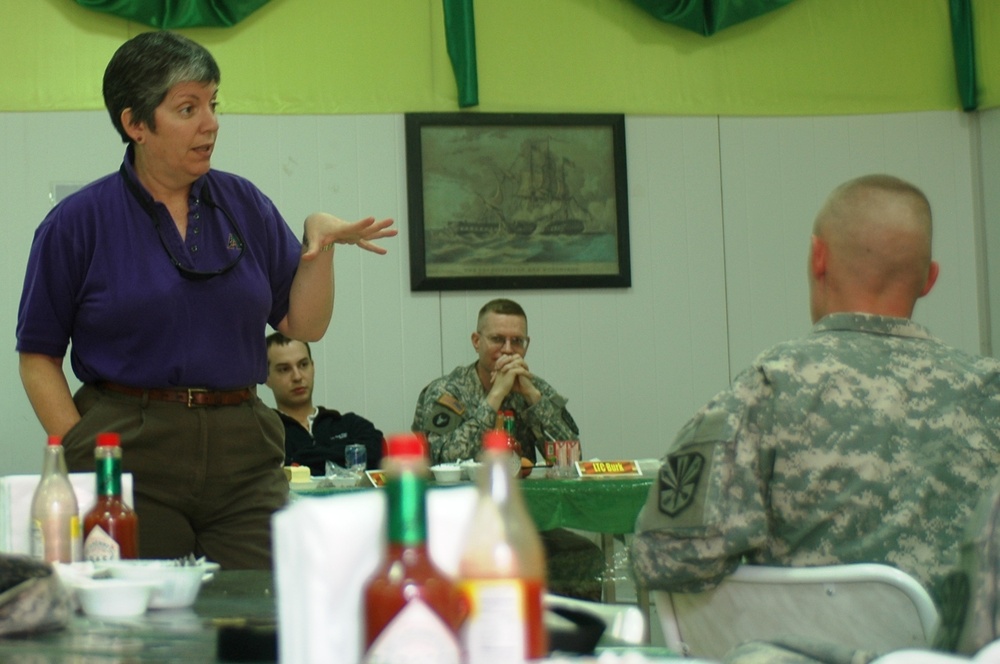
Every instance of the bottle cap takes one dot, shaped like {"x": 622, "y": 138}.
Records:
{"x": 406, "y": 445}
{"x": 55, "y": 440}
{"x": 495, "y": 440}
{"x": 108, "y": 440}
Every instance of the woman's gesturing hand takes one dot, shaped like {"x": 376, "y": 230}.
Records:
{"x": 323, "y": 231}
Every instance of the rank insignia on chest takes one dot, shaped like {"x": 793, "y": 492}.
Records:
{"x": 679, "y": 478}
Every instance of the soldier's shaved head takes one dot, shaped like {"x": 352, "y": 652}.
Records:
{"x": 871, "y": 248}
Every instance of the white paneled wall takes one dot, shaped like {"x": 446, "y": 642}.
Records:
{"x": 776, "y": 172}
{"x": 720, "y": 215}
{"x": 988, "y": 145}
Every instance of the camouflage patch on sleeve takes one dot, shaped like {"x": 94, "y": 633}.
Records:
{"x": 679, "y": 479}
{"x": 683, "y": 485}
{"x": 445, "y": 415}
{"x": 451, "y": 403}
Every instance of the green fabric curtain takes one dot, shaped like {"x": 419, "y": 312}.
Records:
{"x": 702, "y": 16}
{"x": 708, "y": 16}
{"x": 170, "y": 14}
{"x": 965, "y": 56}
{"x": 460, "y": 34}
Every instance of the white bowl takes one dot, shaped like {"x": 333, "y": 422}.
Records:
{"x": 447, "y": 473}
{"x": 469, "y": 469}
{"x": 174, "y": 586}
{"x": 114, "y": 598}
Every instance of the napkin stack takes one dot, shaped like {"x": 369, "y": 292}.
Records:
{"x": 16, "y": 492}
{"x": 325, "y": 549}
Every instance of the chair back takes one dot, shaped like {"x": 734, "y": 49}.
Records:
{"x": 624, "y": 622}
{"x": 16, "y": 492}
{"x": 865, "y": 606}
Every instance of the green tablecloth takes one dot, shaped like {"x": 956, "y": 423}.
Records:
{"x": 595, "y": 505}
{"x": 607, "y": 506}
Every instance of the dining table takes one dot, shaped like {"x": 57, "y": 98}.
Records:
{"x": 234, "y": 619}
{"x": 606, "y": 506}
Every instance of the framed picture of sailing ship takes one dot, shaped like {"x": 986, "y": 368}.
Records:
{"x": 512, "y": 201}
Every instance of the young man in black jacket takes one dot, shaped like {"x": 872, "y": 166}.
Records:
{"x": 313, "y": 435}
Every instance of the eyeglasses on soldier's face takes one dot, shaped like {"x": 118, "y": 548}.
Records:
{"x": 498, "y": 341}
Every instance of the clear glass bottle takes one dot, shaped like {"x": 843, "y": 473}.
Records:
{"x": 55, "y": 514}
{"x": 413, "y": 611}
{"x": 502, "y": 567}
{"x": 111, "y": 527}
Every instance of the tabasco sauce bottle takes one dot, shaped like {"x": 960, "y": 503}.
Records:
{"x": 521, "y": 465}
{"x": 413, "y": 612}
{"x": 111, "y": 527}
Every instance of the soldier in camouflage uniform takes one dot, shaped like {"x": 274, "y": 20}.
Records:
{"x": 867, "y": 441}
{"x": 455, "y": 411}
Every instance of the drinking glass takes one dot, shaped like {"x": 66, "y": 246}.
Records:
{"x": 356, "y": 458}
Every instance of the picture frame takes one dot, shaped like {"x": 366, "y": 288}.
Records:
{"x": 502, "y": 201}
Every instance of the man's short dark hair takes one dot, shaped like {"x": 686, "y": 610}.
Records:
{"x": 503, "y": 307}
{"x": 278, "y": 339}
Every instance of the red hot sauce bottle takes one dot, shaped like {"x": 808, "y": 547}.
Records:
{"x": 413, "y": 612}
{"x": 111, "y": 527}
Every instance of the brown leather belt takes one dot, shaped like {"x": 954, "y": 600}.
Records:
{"x": 189, "y": 396}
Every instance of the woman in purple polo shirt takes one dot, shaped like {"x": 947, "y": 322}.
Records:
{"x": 163, "y": 276}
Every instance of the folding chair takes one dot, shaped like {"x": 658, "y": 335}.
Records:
{"x": 625, "y": 622}
{"x": 865, "y": 606}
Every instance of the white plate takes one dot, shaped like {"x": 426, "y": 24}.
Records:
{"x": 323, "y": 483}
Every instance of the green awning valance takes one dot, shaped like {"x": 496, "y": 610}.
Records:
{"x": 170, "y": 14}
{"x": 705, "y": 17}
{"x": 708, "y": 16}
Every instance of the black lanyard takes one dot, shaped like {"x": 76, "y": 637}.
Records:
{"x": 148, "y": 205}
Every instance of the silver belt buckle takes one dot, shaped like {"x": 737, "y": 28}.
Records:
{"x": 191, "y": 392}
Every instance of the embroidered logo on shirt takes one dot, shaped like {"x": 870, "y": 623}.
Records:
{"x": 233, "y": 242}
{"x": 440, "y": 420}
{"x": 678, "y": 482}
{"x": 451, "y": 403}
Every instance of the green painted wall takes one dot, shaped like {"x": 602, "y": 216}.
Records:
{"x": 388, "y": 56}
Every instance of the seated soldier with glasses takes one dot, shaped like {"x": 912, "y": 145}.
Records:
{"x": 454, "y": 412}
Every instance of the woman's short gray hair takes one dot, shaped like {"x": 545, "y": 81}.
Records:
{"x": 143, "y": 70}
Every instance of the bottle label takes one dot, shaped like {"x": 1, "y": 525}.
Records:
{"x": 415, "y": 636}
{"x": 76, "y": 534}
{"x": 56, "y": 539}
{"x": 37, "y": 540}
{"x": 497, "y": 629}
{"x": 109, "y": 476}
{"x": 101, "y": 546}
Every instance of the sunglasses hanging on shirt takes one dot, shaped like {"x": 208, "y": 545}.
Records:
{"x": 186, "y": 272}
